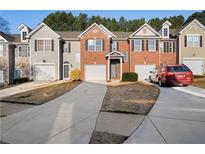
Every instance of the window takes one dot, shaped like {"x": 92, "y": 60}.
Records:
{"x": 1, "y": 50}
{"x": 21, "y": 52}
{"x": 77, "y": 57}
{"x": 67, "y": 46}
{"x": 193, "y": 40}
{"x": 137, "y": 45}
{"x": 152, "y": 45}
{"x": 24, "y": 35}
{"x": 95, "y": 45}
{"x": 44, "y": 45}
{"x": 18, "y": 73}
{"x": 170, "y": 46}
{"x": 162, "y": 46}
{"x": 125, "y": 57}
{"x": 165, "y": 32}
{"x": 114, "y": 46}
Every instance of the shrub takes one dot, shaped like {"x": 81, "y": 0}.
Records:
{"x": 21, "y": 80}
{"x": 129, "y": 76}
{"x": 75, "y": 75}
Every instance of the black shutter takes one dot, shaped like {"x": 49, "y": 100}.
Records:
{"x": 103, "y": 45}
{"x": 132, "y": 45}
{"x": 174, "y": 46}
{"x": 142, "y": 45}
{"x": 147, "y": 45}
{"x": 200, "y": 41}
{"x": 35, "y": 45}
{"x": 69, "y": 47}
{"x": 157, "y": 45}
{"x": 52, "y": 45}
{"x": 185, "y": 41}
{"x": 86, "y": 45}
{"x": 117, "y": 46}
{"x": 165, "y": 47}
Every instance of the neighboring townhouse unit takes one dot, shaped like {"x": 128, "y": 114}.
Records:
{"x": 14, "y": 56}
{"x": 191, "y": 39}
{"x": 53, "y": 54}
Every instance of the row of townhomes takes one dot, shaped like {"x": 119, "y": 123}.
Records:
{"x": 100, "y": 54}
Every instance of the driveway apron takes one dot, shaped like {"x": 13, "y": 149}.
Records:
{"x": 69, "y": 118}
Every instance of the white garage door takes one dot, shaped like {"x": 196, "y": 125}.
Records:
{"x": 143, "y": 71}
{"x": 44, "y": 72}
{"x": 195, "y": 64}
{"x": 95, "y": 72}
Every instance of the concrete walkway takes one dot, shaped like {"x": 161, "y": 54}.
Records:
{"x": 67, "y": 119}
{"x": 177, "y": 117}
{"x": 27, "y": 86}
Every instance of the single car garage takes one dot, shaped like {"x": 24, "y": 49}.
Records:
{"x": 44, "y": 72}
{"x": 143, "y": 71}
{"x": 195, "y": 64}
{"x": 95, "y": 72}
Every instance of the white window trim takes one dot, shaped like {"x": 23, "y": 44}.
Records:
{"x": 69, "y": 65}
{"x": 193, "y": 45}
{"x": 114, "y": 44}
{"x": 172, "y": 49}
{"x": 154, "y": 45}
{"x": 25, "y": 35}
{"x": 140, "y": 45}
{"x": 161, "y": 43}
{"x": 95, "y": 46}
{"x": 44, "y": 47}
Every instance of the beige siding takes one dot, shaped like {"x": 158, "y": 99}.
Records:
{"x": 190, "y": 52}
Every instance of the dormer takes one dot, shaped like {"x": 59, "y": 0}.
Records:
{"x": 165, "y": 29}
{"x": 24, "y": 32}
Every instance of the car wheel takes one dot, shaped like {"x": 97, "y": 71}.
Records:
{"x": 150, "y": 79}
{"x": 160, "y": 83}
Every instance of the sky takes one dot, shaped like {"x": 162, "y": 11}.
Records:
{"x": 33, "y": 18}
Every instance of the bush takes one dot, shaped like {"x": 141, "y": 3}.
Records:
{"x": 21, "y": 80}
{"x": 129, "y": 76}
{"x": 75, "y": 75}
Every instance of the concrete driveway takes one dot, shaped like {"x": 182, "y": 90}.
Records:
{"x": 177, "y": 117}
{"x": 67, "y": 119}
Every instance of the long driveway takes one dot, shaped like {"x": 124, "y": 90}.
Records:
{"x": 177, "y": 117}
{"x": 67, "y": 119}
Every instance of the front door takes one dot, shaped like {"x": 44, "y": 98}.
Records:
{"x": 113, "y": 72}
{"x": 66, "y": 69}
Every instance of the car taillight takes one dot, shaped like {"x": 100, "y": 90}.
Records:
{"x": 170, "y": 74}
{"x": 189, "y": 75}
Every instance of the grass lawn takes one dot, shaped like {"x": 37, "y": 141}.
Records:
{"x": 41, "y": 95}
{"x": 134, "y": 98}
{"x": 199, "y": 81}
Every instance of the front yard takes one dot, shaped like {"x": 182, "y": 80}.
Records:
{"x": 199, "y": 81}
{"x": 41, "y": 95}
{"x": 125, "y": 99}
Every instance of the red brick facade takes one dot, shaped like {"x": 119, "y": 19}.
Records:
{"x": 134, "y": 57}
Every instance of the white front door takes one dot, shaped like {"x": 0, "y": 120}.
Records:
{"x": 143, "y": 71}
{"x": 44, "y": 72}
{"x": 195, "y": 65}
{"x": 95, "y": 72}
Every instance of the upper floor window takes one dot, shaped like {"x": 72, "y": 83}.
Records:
{"x": 137, "y": 45}
{"x": 1, "y": 50}
{"x": 66, "y": 46}
{"x": 193, "y": 40}
{"x": 161, "y": 46}
{"x": 170, "y": 46}
{"x": 95, "y": 45}
{"x": 114, "y": 46}
{"x": 44, "y": 45}
{"x": 24, "y": 35}
{"x": 165, "y": 32}
{"x": 152, "y": 45}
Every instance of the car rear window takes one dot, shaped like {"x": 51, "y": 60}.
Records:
{"x": 178, "y": 69}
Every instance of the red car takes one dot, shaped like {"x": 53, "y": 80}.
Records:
{"x": 172, "y": 75}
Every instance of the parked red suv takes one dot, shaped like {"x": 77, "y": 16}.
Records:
{"x": 172, "y": 75}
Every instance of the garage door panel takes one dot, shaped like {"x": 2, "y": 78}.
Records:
{"x": 95, "y": 72}
{"x": 143, "y": 71}
{"x": 195, "y": 65}
{"x": 44, "y": 72}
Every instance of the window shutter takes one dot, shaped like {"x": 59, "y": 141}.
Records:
{"x": 117, "y": 46}
{"x": 165, "y": 47}
{"x": 35, "y": 45}
{"x": 142, "y": 45}
{"x": 174, "y": 46}
{"x": 200, "y": 41}
{"x": 147, "y": 45}
{"x": 157, "y": 45}
{"x": 185, "y": 41}
{"x": 69, "y": 47}
{"x": 103, "y": 45}
{"x": 52, "y": 45}
{"x": 86, "y": 45}
{"x": 132, "y": 45}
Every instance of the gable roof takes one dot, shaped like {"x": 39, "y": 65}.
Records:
{"x": 104, "y": 30}
{"x": 107, "y": 30}
{"x": 11, "y": 37}
{"x": 115, "y": 53}
{"x": 23, "y": 25}
{"x": 39, "y": 27}
{"x": 148, "y": 26}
